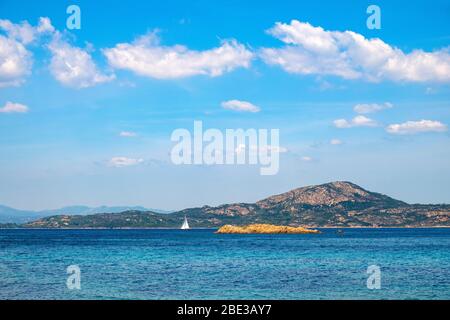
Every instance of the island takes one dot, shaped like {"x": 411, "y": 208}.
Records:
{"x": 339, "y": 204}
{"x": 265, "y": 229}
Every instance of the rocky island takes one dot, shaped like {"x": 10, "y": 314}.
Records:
{"x": 264, "y": 229}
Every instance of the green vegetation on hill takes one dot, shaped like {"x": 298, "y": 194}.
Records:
{"x": 336, "y": 204}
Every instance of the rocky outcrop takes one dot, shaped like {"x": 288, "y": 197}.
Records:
{"x": 265, "y": 229}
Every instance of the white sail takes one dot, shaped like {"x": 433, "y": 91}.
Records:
{"x": 185, "y": 224}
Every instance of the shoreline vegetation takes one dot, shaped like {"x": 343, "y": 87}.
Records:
{"x": 18, "y": 227}
{"x": 339, "y": 204}
{"x": 265, "y": 229}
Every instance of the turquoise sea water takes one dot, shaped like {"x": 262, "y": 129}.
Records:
{"x": 198, "y": 264}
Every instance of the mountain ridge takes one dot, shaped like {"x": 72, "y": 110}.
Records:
{"x": 12, "y": 215}
{"x": 333, "y": 204}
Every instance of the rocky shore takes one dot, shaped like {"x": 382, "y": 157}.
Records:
{"x": 264, "y": 229}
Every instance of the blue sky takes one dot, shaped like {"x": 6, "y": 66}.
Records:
{"x": 58, "y": 150}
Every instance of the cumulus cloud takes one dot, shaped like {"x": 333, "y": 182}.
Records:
{"x": 358, "y": 121}
{"x": 11, "y": 107}
{"x": 313, "y": 50}
{"x": 412, "y": 127}
{"x": 146, "y": 57}
{"x": 335, "y": 142}
{"x": 238, "y": 105}
{"x": 15, "y": 62}
{"x": 128, "y": 134}
{"x": 73, "y": 66}
{"x": 365, "y": 108}
{"x": 24, "y": 32}
{"x": 45, "y": 26}
{"x": 119, "y": 162}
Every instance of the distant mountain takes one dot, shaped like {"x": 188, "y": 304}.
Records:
{"x": 335, "y": 204}
{"x": 11, "y": 215}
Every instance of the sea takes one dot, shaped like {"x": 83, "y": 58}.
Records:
{"x": 381, "y": 263}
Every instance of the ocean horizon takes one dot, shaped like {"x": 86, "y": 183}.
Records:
{"x": 155, "y": 264}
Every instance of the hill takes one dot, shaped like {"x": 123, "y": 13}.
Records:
{"x": 11, "y": 215}
{"x": 334, "y": 204}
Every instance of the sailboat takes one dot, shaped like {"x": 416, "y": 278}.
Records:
{"x": 185, "y": 224}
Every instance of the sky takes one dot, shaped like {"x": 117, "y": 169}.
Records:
{"x": 86, "y": 115}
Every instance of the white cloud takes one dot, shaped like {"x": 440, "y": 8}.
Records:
{"x": 238, "y": 105}
{"x": 119, "y": 162}
{"x": 145, "y": 56}
{"x": 358, "y": 121}
{"x": 341, "y": 123}
{"x": 412, "y": 127}
{"x": 365, "y": 108}
{"x": 335, "y": 142}
{"x": 313, "y": 50}
{"x": 307, "y": 159}
{"x": 11, "y": 107}
{"x": 73, "y": 66}
{"x": 24, "y": 32}
{"x": 15, "y": 62}
{"x": 45, "y": 26}
{"x": 128, "y": 134}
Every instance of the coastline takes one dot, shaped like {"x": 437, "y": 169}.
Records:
{"x": 215, "y": 228}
